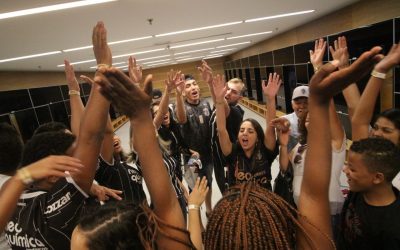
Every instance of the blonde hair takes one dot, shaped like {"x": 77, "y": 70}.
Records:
{"x": 237, "y": 81}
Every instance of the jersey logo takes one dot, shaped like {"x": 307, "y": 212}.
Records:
{"x": 14, "y": 239}
{"x": 58, "y": 204}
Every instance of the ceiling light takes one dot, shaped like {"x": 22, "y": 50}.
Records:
{"x": 222, "y": 50}
{"x": 118, "y": 63}
{"x": 111, "y": 43}
{"x": 190, "y": 58}
{"x": 164, "y": 60}
{"x": 30, "y": 56}
{"x": 49, "y": 8}
{"x": 138, "y": 53}
{"x": 148, "y": 58}
{"x": 213, "y": 56}
{"x": 80, "y": 62}
{"x": 154, "y": 64}
{"x": 201, "y": 28}
{"x": 198, "y": 43}
{"x": 254, "y": 34}
{"x": 192, "y": 51}
{"x": 130, "y": 40}
{"x": 278, "y": 16}
{"x": 234, "y": 44}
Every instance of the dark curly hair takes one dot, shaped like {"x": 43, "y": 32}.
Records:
{"x": 252, "y": 217}
{"x": 50, "y": 127}
{"x": 379, "y": 155}
{"x": 45, "y": 144}
{"x": 124, "y": 225}
{"x": 10, "y": 148}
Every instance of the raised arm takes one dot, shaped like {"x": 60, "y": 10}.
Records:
{"x": 364, "y": 111}
{"x": 220, "y": 89}
{"x": 92, "y": 133}
{"x": 351, "y": 93}
{"x": 180, "y": 111}
{"x": 282, "y": 125}
{"x": 313, "y": 201}
{"x": 174, "y": 80}
{"x": 134, "y": 102}
{"x": 337, "y": 132}
{"x": 270, "y": 90}
{"x": 317, "y": 55}
{"x": 75, "y": 101}
{"x": 13, "y": 188}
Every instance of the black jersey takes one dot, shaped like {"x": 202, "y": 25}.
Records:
{"x": 46, "y": 219}
{"x": 233, "y": 122}
{"x": 122, "y": 176}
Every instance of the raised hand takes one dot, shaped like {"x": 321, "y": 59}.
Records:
{"x": 200, "y": 190}
{"x": 87, "y": 79}
{"x": 271, "y": 88}
{"x": 206, "y": 72}
{"x": 281, "y": 124}
{"x": 100, "y": 47}
{"x": 135, "y": 71}
{"x": 317, "y": 55}
{"x": 53, "y": 166}
{"x": 70, "y": 76}
{"x": 390, "y": 60}
{"x": 127, "y": 97}
{"x": 220, "y": 88}
{"x": 104, "y": 193}
{"x": 325, "y": 83}
{"x": 174, "y": 80}
{"x": 339, "y": 52}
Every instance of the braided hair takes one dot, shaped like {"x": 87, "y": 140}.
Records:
{"x": 251, "y": 217}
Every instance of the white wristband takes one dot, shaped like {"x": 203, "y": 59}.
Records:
{"x": 379, "y": 75}
{"x": 193, "y": 206}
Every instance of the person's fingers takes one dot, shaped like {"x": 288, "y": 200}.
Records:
{"x": 114, "y": 193}
{"x": 87, "y": 79}
{"x": 122, "y": 80}
{"x": 331, "y": 50}
{"x": 335, "y": 44}
{"x": 148, "y": 84}
{"x": 324, "y": 71}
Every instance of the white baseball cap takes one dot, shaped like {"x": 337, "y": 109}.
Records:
{"x": 300, "y": 91}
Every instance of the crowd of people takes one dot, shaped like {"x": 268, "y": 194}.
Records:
{"x": 76, "y": 188}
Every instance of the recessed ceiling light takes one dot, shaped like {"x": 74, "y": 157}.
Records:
{"x": 254, "y": 34}
{"x": 80, "y": 62}
{"x": 222, "y": 50}
{"x": 164, "y": 60}
{"x": 138, "y": 53}
{"x": 234, "y": 44}
{"x": 30, "y": 56}
{"x": 190, "y": 58}
{"x": 192, "y": 51}
{"x": 213, "y": 56}
{"x": 278, "y": 16}
{"x": 110, "y": 43}
{"x": 198, "y": 43}
{"x": 149, "y": 58}
{"x": 197, "y": 29}
{"x": 49, "y": 8}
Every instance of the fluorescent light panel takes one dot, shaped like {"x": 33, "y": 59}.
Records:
{"x": 278, "y": 16}
{"x": 138, "y": 53}
{"x": 214, "y": 56}
{"x": 234, "y": 44}
{"x": 192, "y": 44}
{"x": 75, "y": 63}
{"x": 200, "y": 28}
{"x": 49, "y": 8}
{"x": 192, "y": 51}
{"x": 254, "y": 34}
{"x": 164, "y": 60}
{"x": 222, "y": 50}
{"x": 30, "y": 56}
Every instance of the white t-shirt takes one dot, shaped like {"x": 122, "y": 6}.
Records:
{"x": 336, "y": 198}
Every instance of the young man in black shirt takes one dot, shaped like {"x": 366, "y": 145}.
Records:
{"x": 370, "y": 216}
{"x": 194, "y": 118}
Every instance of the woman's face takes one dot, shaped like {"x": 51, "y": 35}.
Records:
{"x": 166, "y": 120}
{"x": 117, "y": 144}
{"x": 383, "y": 127}
{"x": 247, "y": 136}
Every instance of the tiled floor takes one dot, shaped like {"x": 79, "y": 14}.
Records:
{"x": 123, "y": 133}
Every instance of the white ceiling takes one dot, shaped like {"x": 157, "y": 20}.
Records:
{"x": 127, "y": 19}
